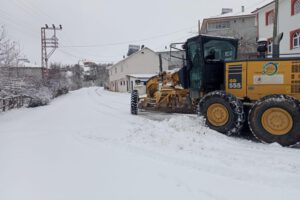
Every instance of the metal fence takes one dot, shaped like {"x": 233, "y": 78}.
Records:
{"x": 14, "y": 102}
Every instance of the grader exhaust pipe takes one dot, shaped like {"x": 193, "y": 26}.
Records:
{"x": 160, "y": 64}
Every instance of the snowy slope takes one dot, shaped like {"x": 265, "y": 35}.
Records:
{"x": 86, "y": 146}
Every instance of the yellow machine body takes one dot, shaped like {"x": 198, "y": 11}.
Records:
{"x": 165, "y": 94}
{"x": 255, "y": 79}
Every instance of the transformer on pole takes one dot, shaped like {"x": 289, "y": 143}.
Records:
{"x": 48, "y": 43}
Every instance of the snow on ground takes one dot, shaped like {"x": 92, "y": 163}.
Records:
{"x": 87, "y": 146}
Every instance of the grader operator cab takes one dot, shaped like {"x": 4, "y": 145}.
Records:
{"x": 229, "y": 92}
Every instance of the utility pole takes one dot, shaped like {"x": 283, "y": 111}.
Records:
{"x": 48, "y": 43}
{"x": 275, "y": 27}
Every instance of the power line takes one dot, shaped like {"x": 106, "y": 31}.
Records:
{"x": 125, "y": 42}
{"x": 34, "y": 9}
{"x": 69, "y": 54}
{"x": 18, "y": 26}
{"x": 80, "y": 58}
{"x": 35, "y": 13}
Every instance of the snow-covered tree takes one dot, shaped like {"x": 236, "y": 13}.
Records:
{"x": 9, "y": 51}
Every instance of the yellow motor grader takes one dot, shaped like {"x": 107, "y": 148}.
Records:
{"x": 228, "y": 92}
{"x": 162, "y": 93}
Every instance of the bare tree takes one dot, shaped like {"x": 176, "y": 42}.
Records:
{"x": 9, "y": 51}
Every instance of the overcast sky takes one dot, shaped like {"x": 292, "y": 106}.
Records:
{"x": 101, "y": 30}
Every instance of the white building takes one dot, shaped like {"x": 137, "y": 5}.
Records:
{"x": 288, "y": 23}
{"x": 143, "y": 62}
{"x": 133, "y": 78}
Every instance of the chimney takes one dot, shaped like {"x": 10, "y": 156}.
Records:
{"x": 243, "y": 8}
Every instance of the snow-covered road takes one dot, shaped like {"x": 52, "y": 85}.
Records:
{"x": 87, "y": 146}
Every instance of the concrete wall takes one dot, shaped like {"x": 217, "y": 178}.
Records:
{"x": 15, "y": 78}
{"x": 30, "y": 81}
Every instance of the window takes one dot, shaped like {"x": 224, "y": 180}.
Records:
{"x": 295, "y": 7}
{"x": 295, "y": 39}
{"x": 270, "y": 45}
{"x": 222, "y": 50}
{"x": 269, "y": 17}
{"x": 218, "y": 25}
{"x": 116, "y": 70}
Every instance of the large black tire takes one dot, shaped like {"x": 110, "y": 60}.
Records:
{"x": 134, "y": 102}
{"x": 268, "y": 126}
{"x": 232, "y": 106}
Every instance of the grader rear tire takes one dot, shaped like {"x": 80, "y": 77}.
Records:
{"x": 134, "y": 102}
{"x": 276, "y": 118}
{"x": 223, "y": 112}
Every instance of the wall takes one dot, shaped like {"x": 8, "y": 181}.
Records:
{"x": 15, "y": 78}
{"x": 265, "y": 31}
{"x": 30, "y": 81}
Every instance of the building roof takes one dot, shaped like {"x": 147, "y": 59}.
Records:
{"x": 227, "y": 16}
{"x": 132, "y": 55}
{"x": 141, "y": 75}
{"x": 233, "y": 15}
{"x": 263, "y": 5}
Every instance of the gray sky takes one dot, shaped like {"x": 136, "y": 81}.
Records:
{"x": 107, "y": 25}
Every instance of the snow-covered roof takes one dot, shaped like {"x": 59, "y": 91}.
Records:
{"x": 234, "y": 14}
{"x": 231, "y": 15}
{"x": 249, "y": 12}
{"x": 262, "y": 5}
{"x": 132, "y": 55}
{"x": 26, "y": 64}
{"x": 141, "y": 75}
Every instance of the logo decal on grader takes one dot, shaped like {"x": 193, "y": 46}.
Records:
{"x": 270, "y": 68}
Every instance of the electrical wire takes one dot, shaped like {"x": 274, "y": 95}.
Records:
{"x": 80, "y": 58}
{"x": 125, "y": 42}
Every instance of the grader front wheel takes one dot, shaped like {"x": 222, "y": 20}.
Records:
{"x": 217, "y": 114}
{"x": 134, "y": 102}
{"x": 276, "y": 118}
